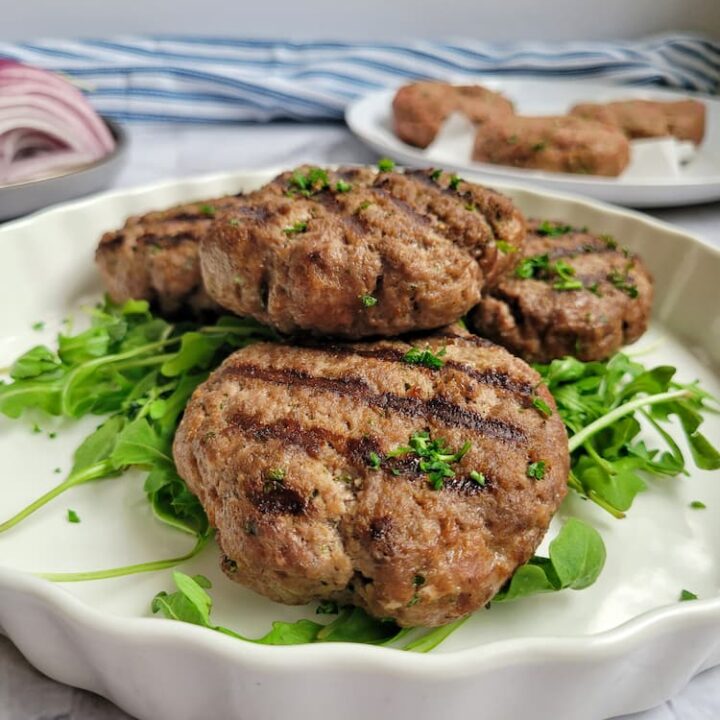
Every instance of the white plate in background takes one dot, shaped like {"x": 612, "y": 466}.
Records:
{"x": 623, "y": 645}
{"x": 370, "y": 118}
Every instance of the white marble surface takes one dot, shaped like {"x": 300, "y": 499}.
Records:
{"x": 160, "y": 152}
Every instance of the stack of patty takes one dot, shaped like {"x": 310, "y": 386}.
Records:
{"x": 408, "y": 475}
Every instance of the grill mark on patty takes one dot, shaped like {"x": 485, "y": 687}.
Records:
{"x": 355, "y": 451}
{"x": 585, "y": 248}
{"x": 490, "y": 376}
{"x": 438, "y": 408}
{"x": 166, "y": 241}
{"x": 351, "y": 221}
{"x": 414, "y": 215}
{"x": 278, "y": 499}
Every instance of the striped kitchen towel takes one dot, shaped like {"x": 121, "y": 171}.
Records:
{"x": 210, "y": 80}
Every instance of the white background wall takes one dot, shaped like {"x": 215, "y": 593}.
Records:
{"x": 500, "y": 20}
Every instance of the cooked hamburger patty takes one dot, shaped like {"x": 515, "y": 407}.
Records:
{"x": 536, "y": 313}
{"x": 556, "y": 144}
{"x": 355, "y": 253}
{"x": 685, "y": 119}
{"x": 155, "y": 257}
{"x": 290, "y": 450}
{"x": 420, "y": 109}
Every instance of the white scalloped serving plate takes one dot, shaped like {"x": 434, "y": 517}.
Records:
{"x": 622, "y": 645}
{"x": 370, "y": 118}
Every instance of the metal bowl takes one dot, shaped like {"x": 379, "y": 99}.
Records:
{"x": 25, "y": 197}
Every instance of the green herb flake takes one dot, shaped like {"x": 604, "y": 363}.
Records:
{"x": 57, "y": 470}
{"x": 416, "y": 356}
{"x": 342, "y": 187}
{"x": 363, "y": 206}
{"x": 532, "y": 266}
{"x": 471, "y": 207}
{"x": 52, "y": 435}
{"x": 314, "y": 180}
{"x": 541, "y": 406}
{"x": 368, "y": 300}
{"x": 594, "y": 289}
{"x": 686, "y": 595}
{"x": 386, "y": 165}
{"x": 455, "y": 182}
{"x": 435, "y": 457}
{"x": 505, "y": 247}
{"x": 38, "y": 326}
{"x": 72, "y": 517}
{"x": 698, "y": 505}
{"x": 478, "y": 477}
{"x": 299, "y": 227}
{"x": 277, "y": 474}
{"x": 623, "y": 282}
{"x": 549, "y": 229}
{"x": 539, "y": 146}
{"x": 536, "y": 470}
{"x": 374, "y": 461}
{"x": 435, "y": 175}
{"x": 208, "y": 210}
{"x": 233, "y": 222}
{"x": 609, "y": 240}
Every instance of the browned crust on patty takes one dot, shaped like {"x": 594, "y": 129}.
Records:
{"x": 420, "y": 109}
{"x": 334, "y": 527}
{"x": 539, "y": 323}
{"x": 155, "y": 257}
{"x": 683, "y": 119}
{"x": 556, "y": 144}
{"x": 419, "y": 244}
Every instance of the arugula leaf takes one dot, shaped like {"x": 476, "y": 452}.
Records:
{"x": 577, "y": 557}
{"x": 191, "y": 603}
{"x": 37, "y": 361}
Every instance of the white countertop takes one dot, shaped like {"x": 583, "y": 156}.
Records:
{"x": 162, "y": 152}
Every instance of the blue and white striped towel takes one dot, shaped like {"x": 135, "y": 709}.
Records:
{"x": 210, "y": 80}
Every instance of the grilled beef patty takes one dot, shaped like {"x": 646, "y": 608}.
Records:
{"x": 356, "y": 253}
{"x": 420, "y": 109}
{"x": 155, "y": 257}
{"x": 290, "y": 450}
{"x": 685, "y": 119}
{"x": 556, "y": 144}
{"x": 541, "y": 317}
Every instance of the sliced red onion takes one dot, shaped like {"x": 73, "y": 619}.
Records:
{"x": 46, "y": 125}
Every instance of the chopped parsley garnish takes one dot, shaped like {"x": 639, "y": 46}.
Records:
{"x": 478, "y": 477}
{"x": 698, "y": 505}
{"x": 386, "y": 165}
{"x": 532, "y": 266}
{"x": 566, "y": 274}
{"x": 315, "y": 180}
{"x": 277, "y": 474}
{"x": 374, "y": 460}
{"x": 455, "y": 182}
{"x": 541, "y": 406}
{"x": 471, "y": 207}
{"x": 536, "y": 470}
{"x": 539, "y": 146}
{"x": 435, "y": 457}
{"x": 52, "y": 435}
{"x": 609, "y": 241}
{"x": 208, "y": 210}
{"x": 234, "y": 222}
{"x": 505, "y": 247}
{"x": 73, "y": 517}
{"x": 39, "y": 325}
{"x": 299, "y": 227}
{"x": 342, "y": 187}
{"x": 435, "y": 175}
{"x": 363, "y": 205}
{"x": 622, "y": 282}
{"x": 368, "y": 301}
{"x": 416, "y": 356}
{"x": 594, "y": 289}
{"x": 548, "y": 229}
{"x": 687, "y": 595}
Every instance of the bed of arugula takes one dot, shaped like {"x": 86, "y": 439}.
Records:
{"x": 137, "y": 371}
